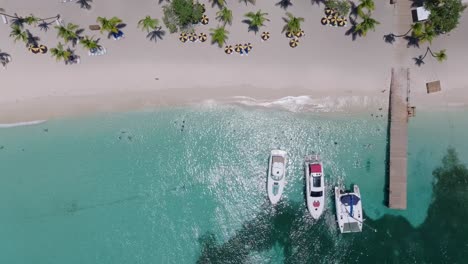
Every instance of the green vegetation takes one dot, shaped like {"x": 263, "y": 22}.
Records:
{"x": 219, "y": 3}
{"x": 256, "y": 20}
{"x": 109, "y": 25}
{"x": 148, "y": 24}
{"x": 69, "y": 33}
{"x": 367, "y": 24}
{"x": 89, "y": 43}
{"x": 225, "y": 16}
{"x": 342, "y": 6}
{"x": 365, "y": 4}
{"x": 60, "y": 53}
{"x": 445, "y": 14}
{"x": 293, "y": 24}
{"x": 181, "y": 14}
{"x": 18, "y": 34}
{"x": 219, "y": 35}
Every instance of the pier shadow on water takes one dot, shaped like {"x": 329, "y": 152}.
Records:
{"x": 440, "y": 239}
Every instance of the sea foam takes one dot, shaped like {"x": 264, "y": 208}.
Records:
{"x": 27, "y": 123}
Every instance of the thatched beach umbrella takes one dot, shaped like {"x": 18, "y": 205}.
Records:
{"x": 293, "y": 42}
{"x": 325, "y": 21}
{"x": 333, "y": 22}
{"x": 205, "y": 20}
{"x": 238, "y": 48}
{"x": 34, "y": 49}
{"x": 265, "y": 36}
{"x": 248, "y": 47}
{"x": 192, "y": 37}
{"x": 300, "y": 33}
{"x": 342, "y": 22}
{"x": 183, "y": 37}
{"x": 202, "y": 37}
{"x": 328, "y": 11}
{"x": 289, "y": 35}
{"x": 42, "y": 49}
{"x": 228, "y": 49}
{"x": 335, "y": 13}
{"x": 203, "y": 8}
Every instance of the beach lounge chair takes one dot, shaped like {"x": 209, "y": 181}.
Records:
{"x": 94, "y": 27}
{"x": 5, "y": 19}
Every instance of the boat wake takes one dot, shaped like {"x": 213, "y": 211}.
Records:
{"x": 27, "y": 123}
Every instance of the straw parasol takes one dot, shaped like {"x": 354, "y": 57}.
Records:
{"x": 289, "y": 35}
{"x": 228, "y": 49}
{"x": 183, "y": 37}
{"x": 42, "y": 49}
{"x": 328, "y": 11}
{"x": 333, "y": 21}
{"x": 248, "y": 47}
{"x": 265, "y": 36}
{"x": 202, "y": 37}
{"x": 293, "y": 42}
{"x": 203, "y": 8}
{"x": 205, "y": 20}
{"x": 238, "y": 48}
{"x": 300, "y": 33}
{"x": 342, "y": 22}
{"x": 192, "y": 37}
{"x": 34, "y": 49}
{"x": 325, "y": 21}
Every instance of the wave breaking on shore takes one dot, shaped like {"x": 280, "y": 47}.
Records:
{"x": 27, "y": 123}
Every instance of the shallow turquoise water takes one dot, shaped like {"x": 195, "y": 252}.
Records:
{"x": 147, "y": 187}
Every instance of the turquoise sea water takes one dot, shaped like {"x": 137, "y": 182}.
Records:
{"x": 183, "y": 185}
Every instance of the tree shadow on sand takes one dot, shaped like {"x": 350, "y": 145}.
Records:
{"x": 352, "y": 29}
{"x": 251, "y": 27}
{"x": 393, "y": 240}
{"x": 284, "y": 4}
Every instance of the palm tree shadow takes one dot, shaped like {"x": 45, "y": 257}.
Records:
{"x": 156, "y": 34}
{"x": 121, "y": 25}
{"x": 5, "y": 58}
{"x": 419, "y": 60}
{"x": 389, "y": 38}
{"x": 417, "y": 3}
{"x": 412, "y": 41}
{"x": 253, "y": 28}
{"x": 32, "y": 40}
{"x": 284, "y": 4}
{"x": 352, "y": 30}
{"x": 161, "y": 1}
{"x": 84, "y": 4}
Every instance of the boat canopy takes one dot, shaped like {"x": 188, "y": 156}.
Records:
{"x": 277, "y": 171}
{"x": 349, "y": 199}
{"x": 315, "y": 168}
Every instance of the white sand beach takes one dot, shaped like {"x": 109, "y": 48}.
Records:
{"x": 137, "y": 74}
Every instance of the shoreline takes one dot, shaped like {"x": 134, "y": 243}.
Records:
{"x": 137, "y": 74}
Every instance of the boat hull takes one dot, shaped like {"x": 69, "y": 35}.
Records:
{"x": 276, "y": 183}
{"x": 315, "y": 191}
{"x": 349, "y": 210}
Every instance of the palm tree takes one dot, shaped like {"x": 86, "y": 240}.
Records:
{"x": 109, "y": 25}
{"x": 219, "y": 3}
{"x": 367, "y": 24}
{"x": 365, "y": 4}
{"x": 60, "y": 53}
{"x": 5, "y": 58}
{"x": 247, "y": 1}
{"x": 256, "y": 20}
{"x": 293, "y": 24}
{"x": 224, "y": 15}
{"x": 84, "y": 4}
{"x": 428, "y": 34}
{"x": 156, "y": 34}
{"x": 18, "y": 34}
{"x": 69, "y": 33}
{"x": 31, "y": 20}
{"x": 440, "y": 56}
{"x": 219, "y": 35}
{"x": 90, "y": 43}
{"x": 148, "y": 23}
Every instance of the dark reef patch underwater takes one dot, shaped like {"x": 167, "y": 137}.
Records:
{"x": 442, "y": 238}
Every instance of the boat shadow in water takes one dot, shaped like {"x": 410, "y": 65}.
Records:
{"x": 395, "y": 240}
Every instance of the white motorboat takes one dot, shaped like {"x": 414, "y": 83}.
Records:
{"x": 276, "y": 175}
{"x": 315, "y": 186}
{"x": 349, "y": 210}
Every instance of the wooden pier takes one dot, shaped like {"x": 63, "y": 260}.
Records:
{"x": 398, "y": 146}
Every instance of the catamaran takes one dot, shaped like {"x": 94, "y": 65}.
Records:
{"x": 276, "y": 175}
{"x": 315, "y": 186}
{"x": 349, "y": 210}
